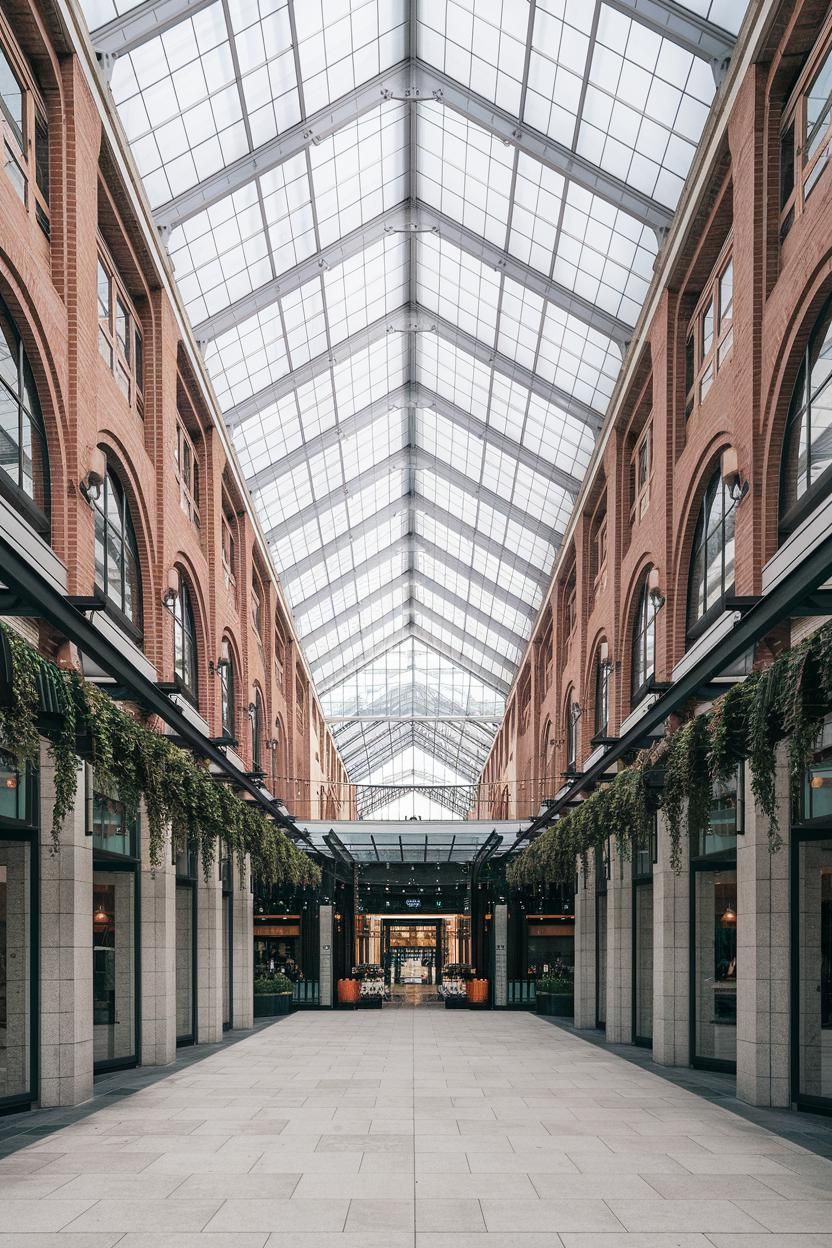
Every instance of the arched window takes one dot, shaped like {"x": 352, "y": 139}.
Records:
{"x": 184, "y": 642}
{"x": 23, "y": 455}
{"x": 808, "y": 451}
{"x": 712, "y": 561}
{"x": 644, "y": 642}
{"x": 602, "y": 691}
{"x": 116, "y": 552}
{"x": 226, "y": 675}
{"x": 257, "y": 721}
{"x": 573, "y": 714}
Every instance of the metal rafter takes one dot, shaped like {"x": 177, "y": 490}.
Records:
{"x": 476, "y": 578}
{"x": 414, "y": 319}
{"x": 380, "y": 559}
{"x": 355, "y": 665}
{"x": 143, "y": 23}
{"x": 440, "y": 621}
{"x": 687, "y": 30}
{"x": 455, "y": 656}
{"x": 364, "y": 604}
{"x": 343, "y": 541}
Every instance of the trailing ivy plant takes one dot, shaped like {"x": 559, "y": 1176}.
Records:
{"x": 131, "y": 760}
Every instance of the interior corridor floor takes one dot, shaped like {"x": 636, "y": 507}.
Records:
{"x": 395, "y": 1128}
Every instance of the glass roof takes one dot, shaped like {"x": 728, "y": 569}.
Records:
{"x": 413, "y": 237}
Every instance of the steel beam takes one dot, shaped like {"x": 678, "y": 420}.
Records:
{"x": 345, "y": 580}
{"x": 427, "y": 719}
{"x": 415, "y": 319}
{"x": 337, "y": 622}
{"x": 143, "y": 23}
{"x": 460, "y": 660}
{"x": 364, "y": 480}
{"x": 508, "y": 635}
{"x": 497, "y": 549}
{"x": 476, "y": 578}
{"x": 687, "y": 30}
{"x": 296, "y": 139}
{"x": 355, "y": 665}
{"x": 435, "y": 620}
{"x": 408, "y": 219}
{"x": 344, "y": 540}
{"x": 382, "y": 622}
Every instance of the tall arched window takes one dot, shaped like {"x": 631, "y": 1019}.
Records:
{"x": 257, "y": 721}
{"x": 644, "y": 642}
{"x": 573, "y": 714}
{"x": 23, "y": 455}
{"x": 712, "y": 560}
{"x": 807, "y": 459}
{"x": 116, "y": 552}
{"x": 602, "y": 691}
{"x": 184, "y": 642}
{"x": 226, "y": 675}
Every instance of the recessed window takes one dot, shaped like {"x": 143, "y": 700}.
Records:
{"x": 573, "y": 714}
{"x": 184, "y": 642}
{"x": 712, "y": 560}
{"x": 710, "y": 335}
{"x": 187, "y": 473}
{"x": 641, "y": 473}
{"x": 602, "y": 692}
{"x": 25, "y": 133}
{"x": 257, "y": 722}
{"x": 24, "y": 478}
{"x": 116, "y": 553}
{"x": 229, "y": 552}
{"x": 227, "y": 694}
{"x": 119, "y": 334}
{"x": 644, "y": 643}
{"x": 807, "y": 458}
{"x": 257, "y": 610}
{"x": 806, "y": 137}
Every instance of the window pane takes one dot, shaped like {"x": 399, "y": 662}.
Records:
{"x": 103, "y": 294}
{"x": 820, "y": 456}
{"x": 817, "y": 107}
{"x": 726, "y": 294}
{"x": 708, "y": 327}
{"x": 11, "y": 96}
{"x": 42, "y": 157}
{"x": 15, "y": 967}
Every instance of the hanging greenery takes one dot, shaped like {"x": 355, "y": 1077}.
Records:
{"x": 133, "y": 761}
{"x": 788, "y": 700}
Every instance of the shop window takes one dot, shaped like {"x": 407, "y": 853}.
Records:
{"x": 806, "y": 136}
{"x": 115, "y": 826}
{"x": 644, "y": 644}
{"x": 225, "y": 671}
{"x": 641, "y": 474}
{"x": 300, "y": 706}
{"x": 603, "y": 669}
{"x": 186, "y": 936}
{"x": 116, "y": 554}
{"x": 726, "y": 820}
{"x": 25, "y": 132}
{"x": 715, "y": 968}
{"x": 24, "y": 462}
{"x": 279, "y": 670}
{"x": 710, "y": 335}
{"x": 119, "y": 334}
{"x": 712, "y": 561}
{"x": 814, "y": 798}
{"x": 187, "y": 473}
{"x": 184, "y": 643}
{"x": 807, "y": 457}
{"x": 812, "y": 942}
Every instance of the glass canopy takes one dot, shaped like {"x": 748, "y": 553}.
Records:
{"x": 414, "y": 237}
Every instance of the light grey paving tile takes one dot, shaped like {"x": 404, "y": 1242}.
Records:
{"x": 204, "y": 1163}
{"x": 521, "y": 1163}
{"x": 98, "y": 1162}
{"x": 672, "y": 1239}
{"x": 396, "y": 1163}
{"x": 599, "y": 1186}
{"x": 31, "y": 1186}
{"x": 810, "y": 1240}
{"x": 47, "y": 1239}
{"x": 239, "y": 1186}
{"x": 369, "y": 1215}
{"x": 22, "y": 1216}
{"x": 474, "y": 1186}
{"x": 734, "y": 1163}
{"x": 793, "y": 1187}
{"x": 279, "y": 1215}
{"x": 788, "y": 1215}
{"x": 624, "y": 1163}
{"x": 141, "y": 1186}
{"x": 319, "y": 1163}
{"x": 351, "y": 1187}
{"x": 251, "y": 1239}
{"x": 449, "y": 1215}
{"x": 348, "y": 1239}
{"x": 709, "y": 1186}
{"x": 365, "y": 1143}
{"x": 145, "y": 1215}
{"x": 549, "y": 1215}
{"x": 683, "y": 1215}
{"x": 493, "y": 1240}
{"x": 26, "y": 1163}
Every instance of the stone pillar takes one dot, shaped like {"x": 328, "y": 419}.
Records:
{"x": 66, "y": 1046}
{"x": 325, "y": 937}
{"x": 763, "y": 973}
{"x": 500, "y": 955}
{"x": 209, "y": 957}
{"x": 671, "y": 953}
{"x": 619, "y": 950}
{"x": 242, "y": 911}
{"x": 158, "y": 944}
{"x": 585, "y": 948}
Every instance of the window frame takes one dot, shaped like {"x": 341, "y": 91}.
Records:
{"x": 227, "y": 679}
{"x": 132, "y": 624}
{"x": 640, "y": 491}
{"x": 184, "y": 623}
{"x": 701, "y": 535}
{"x": 21, "y": 147}
{"x": 258, "y": 725}
{"x": 804, "y": 174}
{"x": 644, "y": 621}
{"x": 603, "y": 671}
{"x": 14, "y": 490}
{"x": 228, "y": 547}
{"x": 124, "y": 363}
{"x": 793, "y": 515}
{"x": 187, "y": 473}
{"x": 703, "y": 362}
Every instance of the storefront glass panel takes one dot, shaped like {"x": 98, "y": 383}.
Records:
{"x": 715, "y": 966}
{"x": 227, "y": 961}
{"x": 15, "y": 969}
{"x": 113, "y": 966}
{"x": 185, "y": 1000}
{"x": 643, "y": 963}
{"x": 814, "y": 1005}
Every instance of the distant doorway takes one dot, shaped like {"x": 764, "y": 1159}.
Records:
{"x": 412, "y": 953}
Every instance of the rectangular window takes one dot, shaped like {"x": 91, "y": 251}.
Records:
{"x": 256, "y": 610}
{"x": 187, "y": 473}
{"x": 119, "y": 333}
{"x": 710, "y": 335}
{"x": 641, "y": 474}
{"x": 806, "y": 136}
{"x": 229, "y": 555}
{"x": 25, "y": 131}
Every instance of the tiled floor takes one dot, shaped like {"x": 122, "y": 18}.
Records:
{"x": 403, "y": 1128}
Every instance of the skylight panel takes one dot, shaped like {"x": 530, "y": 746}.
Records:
{"x": 463, "y": 171}
{"x": 342, "y": 43}
{"x": 246, "y": 358}
{"x": 557, "y": 65}
{"x": 370, "y": 373}
{"x": 367, "y": 286}
{"x": 728, "y": 14}
{"x": 179, "y": 103}
{"x": 456, "y": 286}
{"x": 454, "y": 374}
{"x": 287, "y": 206}
{"x": 360, "y": 171}
{"x": 521, "y": 313}
{"x": 305, "y": 322}
{"x": 646, "y": 104}
{"x": 538, "y": 195}
{"x": 481, "y": 45}
{"x": 98, "y": 12}
{"x": 263, "y": 44}
{"x": 578, "y": 359}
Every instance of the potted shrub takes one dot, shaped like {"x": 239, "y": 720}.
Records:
{"x": 272, "y": 996}
{"x": 454, "y": 987}
{"x": 555, "y": 992}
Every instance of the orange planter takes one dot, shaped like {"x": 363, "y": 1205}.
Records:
{"x": 348, "y": 991}
{"x": 478, "y": 991}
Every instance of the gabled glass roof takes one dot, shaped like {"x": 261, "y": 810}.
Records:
{"x": 414, "y": 237}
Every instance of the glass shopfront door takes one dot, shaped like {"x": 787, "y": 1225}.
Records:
{"x": 186, "y": 867}
{"x": 602, "y": 866}
{"x": 643, "y": 963}
{"x": 16, "y": 981}
{"x": 812, "y": 984}
{"x": 714, "y": 938}
{"x": 115, "y": 909}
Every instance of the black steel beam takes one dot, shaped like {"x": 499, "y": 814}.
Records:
{"x": 760, "y": 616}
{"x": 51, "y": 605}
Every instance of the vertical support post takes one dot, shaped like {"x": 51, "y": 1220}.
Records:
{"x": 158, "y": 942}
{"x": 209, "y": 957}
{"x": 619, "y": 951}
{"x": 671, "y": 955}
{"x": 500, "y": 955}
{"x": 242, "y": 937}
{"x": 325, "y": 978}
{"x": 585, "y": 949}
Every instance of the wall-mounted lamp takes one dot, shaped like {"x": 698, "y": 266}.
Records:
{"x": 171, "y": 591}
{"x": 732, "y": 478}
{"x": 219, "y": 666}
{"x": 655, "y": 594}
{"x": 92, "y": 484}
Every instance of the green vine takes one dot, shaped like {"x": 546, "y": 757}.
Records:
{"x": 133, "y": 761}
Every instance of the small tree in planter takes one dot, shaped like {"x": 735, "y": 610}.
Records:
{"x": 555, "y": 994}
{"x": 272, "y": 996}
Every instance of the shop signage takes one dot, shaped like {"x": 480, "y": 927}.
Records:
{"x": 413, "y": 903}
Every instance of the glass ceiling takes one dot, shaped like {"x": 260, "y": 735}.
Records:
{"x": 413, "y": 237}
